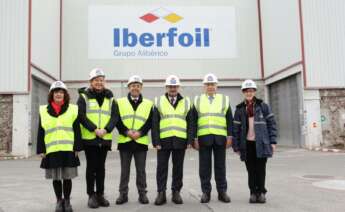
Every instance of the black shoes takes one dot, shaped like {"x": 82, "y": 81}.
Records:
{"x": 261, "y": 198}
{"x": 223, "y": 197}
{"x": 102, "y": 202}
{"x": 176, "y": 198}
{"x": 93, "y": 202}
{"x": 67, "y": 205}
{"x": 253, "y": 198}
{"x": 257, "y": 198}
{"x": 205, "y": 198}
{"x": 59, "y": 205}
{"x": 123, "y": 198}
{"x": 161, "y": 198}
{"x": 143, "y": 198}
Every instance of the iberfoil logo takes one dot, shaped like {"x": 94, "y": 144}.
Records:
{"x": 171, "y": 37}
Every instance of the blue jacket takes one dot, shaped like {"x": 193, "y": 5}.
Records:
{"x": 264, "y": 126}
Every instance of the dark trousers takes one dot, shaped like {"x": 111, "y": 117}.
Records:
{"x": 163, "y": 167}
{"x": 140, "y": 165}
{"x": 95, "y": 169}
{"x": 256, "y": 168}
{"x": 205, "y": 167}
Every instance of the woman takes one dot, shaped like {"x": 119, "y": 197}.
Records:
{"x": 98, "y": 115}
{"x": 58, "y": 143}
{"x": 254, "y": 139}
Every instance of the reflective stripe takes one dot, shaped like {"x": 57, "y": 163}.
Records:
{"x": 223, "y": 103}
{"x": 211, "y": 114}
{"x": 53, "y": 143}
{"x": 168, "y": 116}
{"x": 212, "y": 126}
{"x": 259, "y": 122}
{"x": 70, "y": 129}
{"x": 173, "y": 128}
{"x": 133, "y": 117}
{"x": 98, "y": 111}
{"x": 198, "y": 102}
{"x": 237, "y": 122}
{"x": 269, "y": 115}
{"x": 186, "y": 105}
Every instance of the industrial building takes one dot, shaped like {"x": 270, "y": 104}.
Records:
{"x": 293, "y": 49}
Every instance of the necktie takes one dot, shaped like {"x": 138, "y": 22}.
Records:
{"x": 172, "y": 100}
{"x": 210, "y": 98}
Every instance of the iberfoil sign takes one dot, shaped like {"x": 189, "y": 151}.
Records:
{"x": 118, "y": 32}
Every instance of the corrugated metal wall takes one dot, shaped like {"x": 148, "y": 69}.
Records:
{"x": 324, "y": 37}
{"x": 281, "y": 34}
{"x": 76, "y": 64}
{"x": 46, "y": 35}
{"x": 14, "y": 45}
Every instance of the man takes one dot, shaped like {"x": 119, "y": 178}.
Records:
{"x": 133, "y": 126}
{"x": 98, "y": 115}
{"x": 171, "y": 135}
{"x": 213, "y": 116}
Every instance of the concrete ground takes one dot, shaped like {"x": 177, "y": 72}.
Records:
{"x": 291, "y": 180}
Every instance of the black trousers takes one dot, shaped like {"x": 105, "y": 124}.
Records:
{"x": 140, "y": 165}
{"x": 205, "y": 167}
{"x": 163, "y": 156}
{"x": 95, "y": 168}
{"x": 256, "y": 168}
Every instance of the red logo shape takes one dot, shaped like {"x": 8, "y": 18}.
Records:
{"x": 149, "y": 17}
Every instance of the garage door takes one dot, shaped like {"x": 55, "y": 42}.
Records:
{"x": 285, "y": 100}
{"x": 38, "y": 97}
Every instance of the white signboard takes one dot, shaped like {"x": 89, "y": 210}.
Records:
{"x": 141, "y": 32}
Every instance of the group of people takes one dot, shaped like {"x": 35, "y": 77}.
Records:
{"x": 176, "y": 122}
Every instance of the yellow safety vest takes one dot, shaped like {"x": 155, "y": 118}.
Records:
{"x": 134, "y": 120}
{"x": 211, "y": 116}
{"x": 58, "y": 131}
{"x": 173, "y": 120}
{"x": 98, "y": 115}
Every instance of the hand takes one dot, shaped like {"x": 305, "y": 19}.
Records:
{"x": 76, "y": 154}
{"x": 196, "y": 144}
{"x": 158, "y": 147}
{"x": 136, "y": 135}
{"x": 274, "y": 146}
{"x": 228, "y": 142}
{"x": 43, "y": 155}
{"x": 100, "y": 132}
{"x": 130, "y": 133}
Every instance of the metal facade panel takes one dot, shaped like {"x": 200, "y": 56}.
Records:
{"x": 14, "y": 54}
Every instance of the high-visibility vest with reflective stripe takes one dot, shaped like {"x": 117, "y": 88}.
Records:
{"x": 134, "y": 120}
{"x": 58, "y": 131}
{"x": 98, "y": 115}
{"x": 173, "y": 120}
{"x": 211, "y": 116}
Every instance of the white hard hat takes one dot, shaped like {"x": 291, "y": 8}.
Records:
{"x": 248, "y": 84}
{"x": 133, "y": 79}
{"x": 56, "y": 85}
{"x": 210, "y": 78}
{"x": 172, "y": 80}
{"x": 96, "y": 72}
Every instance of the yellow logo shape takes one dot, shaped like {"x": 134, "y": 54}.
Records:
{"x": 173, "y": 18}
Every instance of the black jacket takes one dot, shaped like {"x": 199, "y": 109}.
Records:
{"x": 171, "y": 142}
{"x": 264, "y": 125}
{"x": 209, "y": 140}
{"x": 59, "y": 159}
{"x": 99, "y": 96}
{"x": 133, "y": 145}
